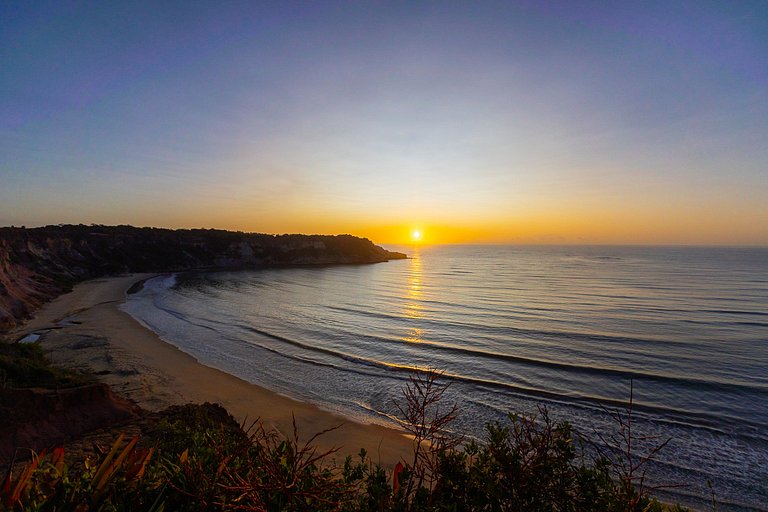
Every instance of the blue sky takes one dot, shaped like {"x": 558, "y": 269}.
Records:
{"x": 573, "y": 122}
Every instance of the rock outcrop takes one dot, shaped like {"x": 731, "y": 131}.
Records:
{"x": 38, "y": 264}
{"x": 41, "y": 418}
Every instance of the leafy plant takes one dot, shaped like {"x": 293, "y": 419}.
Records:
{"x": 199, "y": 458}
{"x": 44, "y": 482}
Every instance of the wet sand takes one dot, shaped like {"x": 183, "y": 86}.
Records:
{"x": 88, "y": 331}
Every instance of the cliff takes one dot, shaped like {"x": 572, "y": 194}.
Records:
{"x": 38, "y": 264}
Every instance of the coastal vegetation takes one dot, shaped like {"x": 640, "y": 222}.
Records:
{"x": 197, "y": 457}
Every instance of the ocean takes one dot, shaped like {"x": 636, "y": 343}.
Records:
{"x": 513, "y": 328}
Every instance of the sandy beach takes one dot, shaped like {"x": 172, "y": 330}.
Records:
{"x": 85, "y": 329}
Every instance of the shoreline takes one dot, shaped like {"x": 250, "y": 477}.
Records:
{"x": 85, "y": 329}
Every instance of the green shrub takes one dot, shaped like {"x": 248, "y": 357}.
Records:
{"x": 199, "y": 458}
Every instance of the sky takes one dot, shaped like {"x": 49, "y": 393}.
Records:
{"x": 472, "y": 122}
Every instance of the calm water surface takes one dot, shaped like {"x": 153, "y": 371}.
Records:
{"x": 513, "y": 328}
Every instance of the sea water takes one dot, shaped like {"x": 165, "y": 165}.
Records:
{"x": 513, "y": 329}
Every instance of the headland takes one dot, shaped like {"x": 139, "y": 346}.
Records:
{"x": 66, "y": 283}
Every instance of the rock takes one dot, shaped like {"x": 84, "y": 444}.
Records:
{"x": 42, "y": 418}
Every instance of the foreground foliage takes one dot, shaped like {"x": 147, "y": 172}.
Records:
{"x": 198, "y": 458}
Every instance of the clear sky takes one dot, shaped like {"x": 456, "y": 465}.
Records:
{"x": 521, "y": 122}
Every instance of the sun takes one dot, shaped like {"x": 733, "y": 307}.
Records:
{"x": 416, "y": 235}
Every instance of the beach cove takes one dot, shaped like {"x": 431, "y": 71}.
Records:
{"x": 514, "y": 329}
{"x": 85, "y": 329}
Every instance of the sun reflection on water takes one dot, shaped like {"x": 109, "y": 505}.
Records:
{"x": 413, "y": 308}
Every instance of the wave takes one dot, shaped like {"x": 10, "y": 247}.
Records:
{"x": 692, "y": 418}
{"x": 623, "y": 374}
{"x": 689, "y": 418}
{"x": 507, "y": 330}
{"x": 712, "y": 384}
{"x": 662, "y": 414}
{"x": 734, "y": 312}
{"x": 569, "y": 338}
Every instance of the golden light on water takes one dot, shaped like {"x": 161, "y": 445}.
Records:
{"x": 413, "y": 308}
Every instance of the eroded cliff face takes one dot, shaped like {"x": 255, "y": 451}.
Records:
{"x": 22, "y": 289}
{"x": 38, "y": 264}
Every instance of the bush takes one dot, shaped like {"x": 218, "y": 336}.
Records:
{"x": 199, "y": 458}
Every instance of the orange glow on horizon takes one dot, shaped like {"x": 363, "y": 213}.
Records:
{"x": 678, "y": 224}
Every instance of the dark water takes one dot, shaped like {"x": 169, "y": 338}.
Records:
{"x": 513, "y": 328}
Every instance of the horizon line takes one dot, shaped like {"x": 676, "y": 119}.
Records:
{"x": 422, "y": 243}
